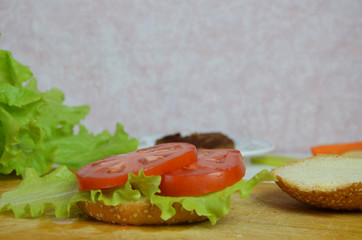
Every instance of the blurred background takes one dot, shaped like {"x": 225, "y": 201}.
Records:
{"x": 287, "y": 72}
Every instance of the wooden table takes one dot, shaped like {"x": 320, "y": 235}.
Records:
{"x": 268, "y": 213}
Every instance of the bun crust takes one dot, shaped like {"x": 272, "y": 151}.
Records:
{"x": 137, "y": 213}
{"x": 345, "y": 198}
{"x": 344, "y": 195}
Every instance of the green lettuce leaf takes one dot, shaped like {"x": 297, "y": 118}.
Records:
{"x": 11, "y": 71}
{"x": 212, "y": 205}
{"x": 78, "y": 150}
{"x": 137, "y": 186}
{"x": 21, "y": 136}
{"x": 59, "y": 190}
{"x": 38, "y": 130}
{"x": 34, "y": 194}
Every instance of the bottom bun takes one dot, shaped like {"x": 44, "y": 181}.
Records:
{"x": 137, "y": 213}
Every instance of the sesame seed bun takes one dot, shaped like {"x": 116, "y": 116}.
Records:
{"x": 325, "y": 181}
{"x": 137, "y": 213}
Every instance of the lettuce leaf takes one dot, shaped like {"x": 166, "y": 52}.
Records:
{"x": 11, "y": 71}
{"x": 38, "y": 130}
{"x": 137, "y": 186}
{"x": 212, "y": 205}
{"x": 21, "y": 136}
{"x": 59, "y": 190}
{"x": 75, "y": 151}
{"x": 34, "y": 194}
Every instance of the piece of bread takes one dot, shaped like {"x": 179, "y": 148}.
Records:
{"x": 200, "y": 140}
{"x": 137, "y": 213}
{"x": 324, "y": 181}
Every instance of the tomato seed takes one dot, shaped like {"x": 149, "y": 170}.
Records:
{"x": 143, "y": 161}
{"x": 117, "y": 168}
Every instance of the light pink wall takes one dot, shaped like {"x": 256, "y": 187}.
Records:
{"x": 288, "y": 72}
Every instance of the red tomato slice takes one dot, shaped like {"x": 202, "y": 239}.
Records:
{"x": 214, "y": 170}
{"x": 157, "y": 160}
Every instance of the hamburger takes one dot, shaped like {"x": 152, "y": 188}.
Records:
{"x": 169, "y": 183}
{"x": 200, "y": 140}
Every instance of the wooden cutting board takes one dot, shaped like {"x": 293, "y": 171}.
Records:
{"x": 268, "y": 213}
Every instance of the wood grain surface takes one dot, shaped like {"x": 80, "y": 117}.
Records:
{"x": 268, "y": 213}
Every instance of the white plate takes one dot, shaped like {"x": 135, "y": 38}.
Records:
{"x": 247, "y": 147}
{"x": 252, "y": 147}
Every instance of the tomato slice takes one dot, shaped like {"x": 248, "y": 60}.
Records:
{"x": 157, "y": 160}
{"x": 214, "y": 170}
